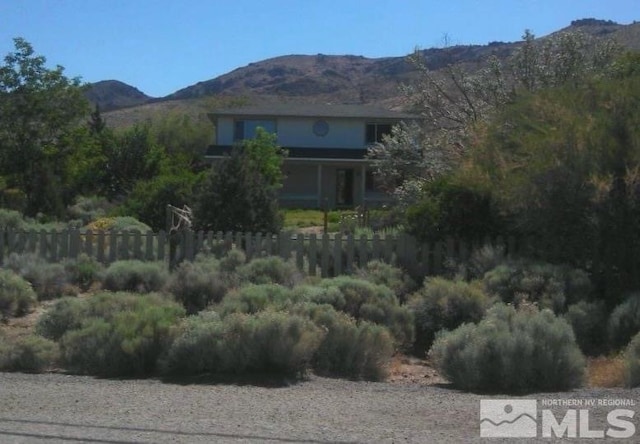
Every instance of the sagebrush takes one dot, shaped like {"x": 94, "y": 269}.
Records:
{"x": 511, "y": 351}
{"x": 16, "y": 295}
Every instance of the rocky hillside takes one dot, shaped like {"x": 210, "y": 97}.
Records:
{"x": 113, "y": 94}
{"x": 334, "y": 78}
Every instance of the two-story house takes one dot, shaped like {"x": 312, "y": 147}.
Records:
{"x": 327, "y": 146}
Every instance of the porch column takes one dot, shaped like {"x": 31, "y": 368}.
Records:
{"x": 363, "y": 182}
{"x": 319, "y": 185}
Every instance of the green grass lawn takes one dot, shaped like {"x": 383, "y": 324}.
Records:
{"x": 313, "y": 218}
{"x": 337, "y": 220}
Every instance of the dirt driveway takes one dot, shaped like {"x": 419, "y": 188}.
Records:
{"x": 60, "y": 408}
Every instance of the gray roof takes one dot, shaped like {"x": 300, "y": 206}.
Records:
{"x": 300, "y": 153}
{"x": 314, "y": 110}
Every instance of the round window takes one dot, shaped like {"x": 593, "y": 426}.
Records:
{"x": 321, "y": 128}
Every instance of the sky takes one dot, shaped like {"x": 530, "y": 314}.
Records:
{"x": 162, "y": 46}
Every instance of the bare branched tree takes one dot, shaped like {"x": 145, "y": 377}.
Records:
{"x": 454, "y": 99}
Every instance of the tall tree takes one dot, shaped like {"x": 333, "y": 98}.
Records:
{"x": 240, "y": 193}
{"x": 184, "y": 138}
{"x": 455, "y": 99}
{"x": 132, "y": 155}
{"x": 38, "y": 106}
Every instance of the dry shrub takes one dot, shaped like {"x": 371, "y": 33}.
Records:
{"x": 16, "y": 295}
{"x": 606, "y": 371}
{"x": 511, "y": 351}
{"x": 272, "y": 343}
{"x": 444, "y": 304}
{"x": 135, "y": 275}
{"x": 31, "y": 354}
{"x": 198, "y": 284}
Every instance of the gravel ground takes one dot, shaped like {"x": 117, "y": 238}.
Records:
{"x": 60, "y": 408}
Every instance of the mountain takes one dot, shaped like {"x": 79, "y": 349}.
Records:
{"x": 358, "y": 79}
{"x": 340, "y": 78}
{"x": 327, "y": 78}
{"x": 113, "y": 94}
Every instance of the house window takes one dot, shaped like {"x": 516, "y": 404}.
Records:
{"x": 375, "y": 132}
{"x": 246, "y": 129}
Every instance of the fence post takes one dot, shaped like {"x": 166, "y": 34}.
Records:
{"x": 337, "y": 254}
{"x": 162, "y": 242}
{"x": 174, "y": 240}
{"x": 88, "y": 243}
{"x": 363, "y": 251}
{"x": 283, "y": 245}
{"x": 148, "y": 253}
{"x": 189, "y": 250}
{"x": 32, "y": 241}
{"x": 268, "y": 242}
{"x": 64, "y": 244}
{"x": 350, "y": 252}
{"x": 313, "y": 251}
{"x": 324, "y": 259}
{"x": 248, "y": 246}
{"x": 43, "y": 245}
{"x": 124, "y": 246}
{"x": 100, "y": 246}
{"x": 376, "y": 250}
{"x": 299, "y": 248}
{"x": 258, "y": 245}
{"x": 137, "y": 245}
{"x": 113, "y": 246}
{"x": 74, "y": 243}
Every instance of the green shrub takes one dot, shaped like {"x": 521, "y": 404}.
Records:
{"x": 70, "y": 313}
{"x": 14, "y": 199}
{"x": 195, "y": 350}
{"x": 589, "y": 323}
{"x": 256, "y": 298}
{"x": 105, "y": 304}
{"x": 548, "y": 286}
{"x": 511, "y": 351}
{"x": 233, "y": 259}
{"x": 443, "y": 304}
{"x": 369, "y": 302}
{"x": 624, "y": 322}
{"x": 349, "y": 349}
{"x": 355, "y": 292}
{"x": 134, "y": 275}
{"x": 126, "y": 343}
{"x": 632, "y": 362}
{"x": 66, "y": 314}
{"x": 196, "y": 285}
{"x": 11, "y": 219}
{"x": 449, "y": 207}
{"x": 148, "y": 199}
{"x": 16, "y": 295}
{"x": 83, "y": 271}
{"x": 49, "y": 280}
{"x": 240, "y": 192}
{"x": 270, "y": 270}
{"x": 89, "y": 208}
{"x": 397, "y": 319}
{"x": 482, "y": 260}
{"x": 272, "y": 343}
{"x": 31, "y": 354}
{"x": 381, "y": 273}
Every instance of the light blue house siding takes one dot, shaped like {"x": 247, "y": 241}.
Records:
{"x": 327, "y": 144}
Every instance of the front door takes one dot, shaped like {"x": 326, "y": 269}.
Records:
{"x": 344, "y": 187}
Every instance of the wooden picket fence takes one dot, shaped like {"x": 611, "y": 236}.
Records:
{"x": 323, "y": 255}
